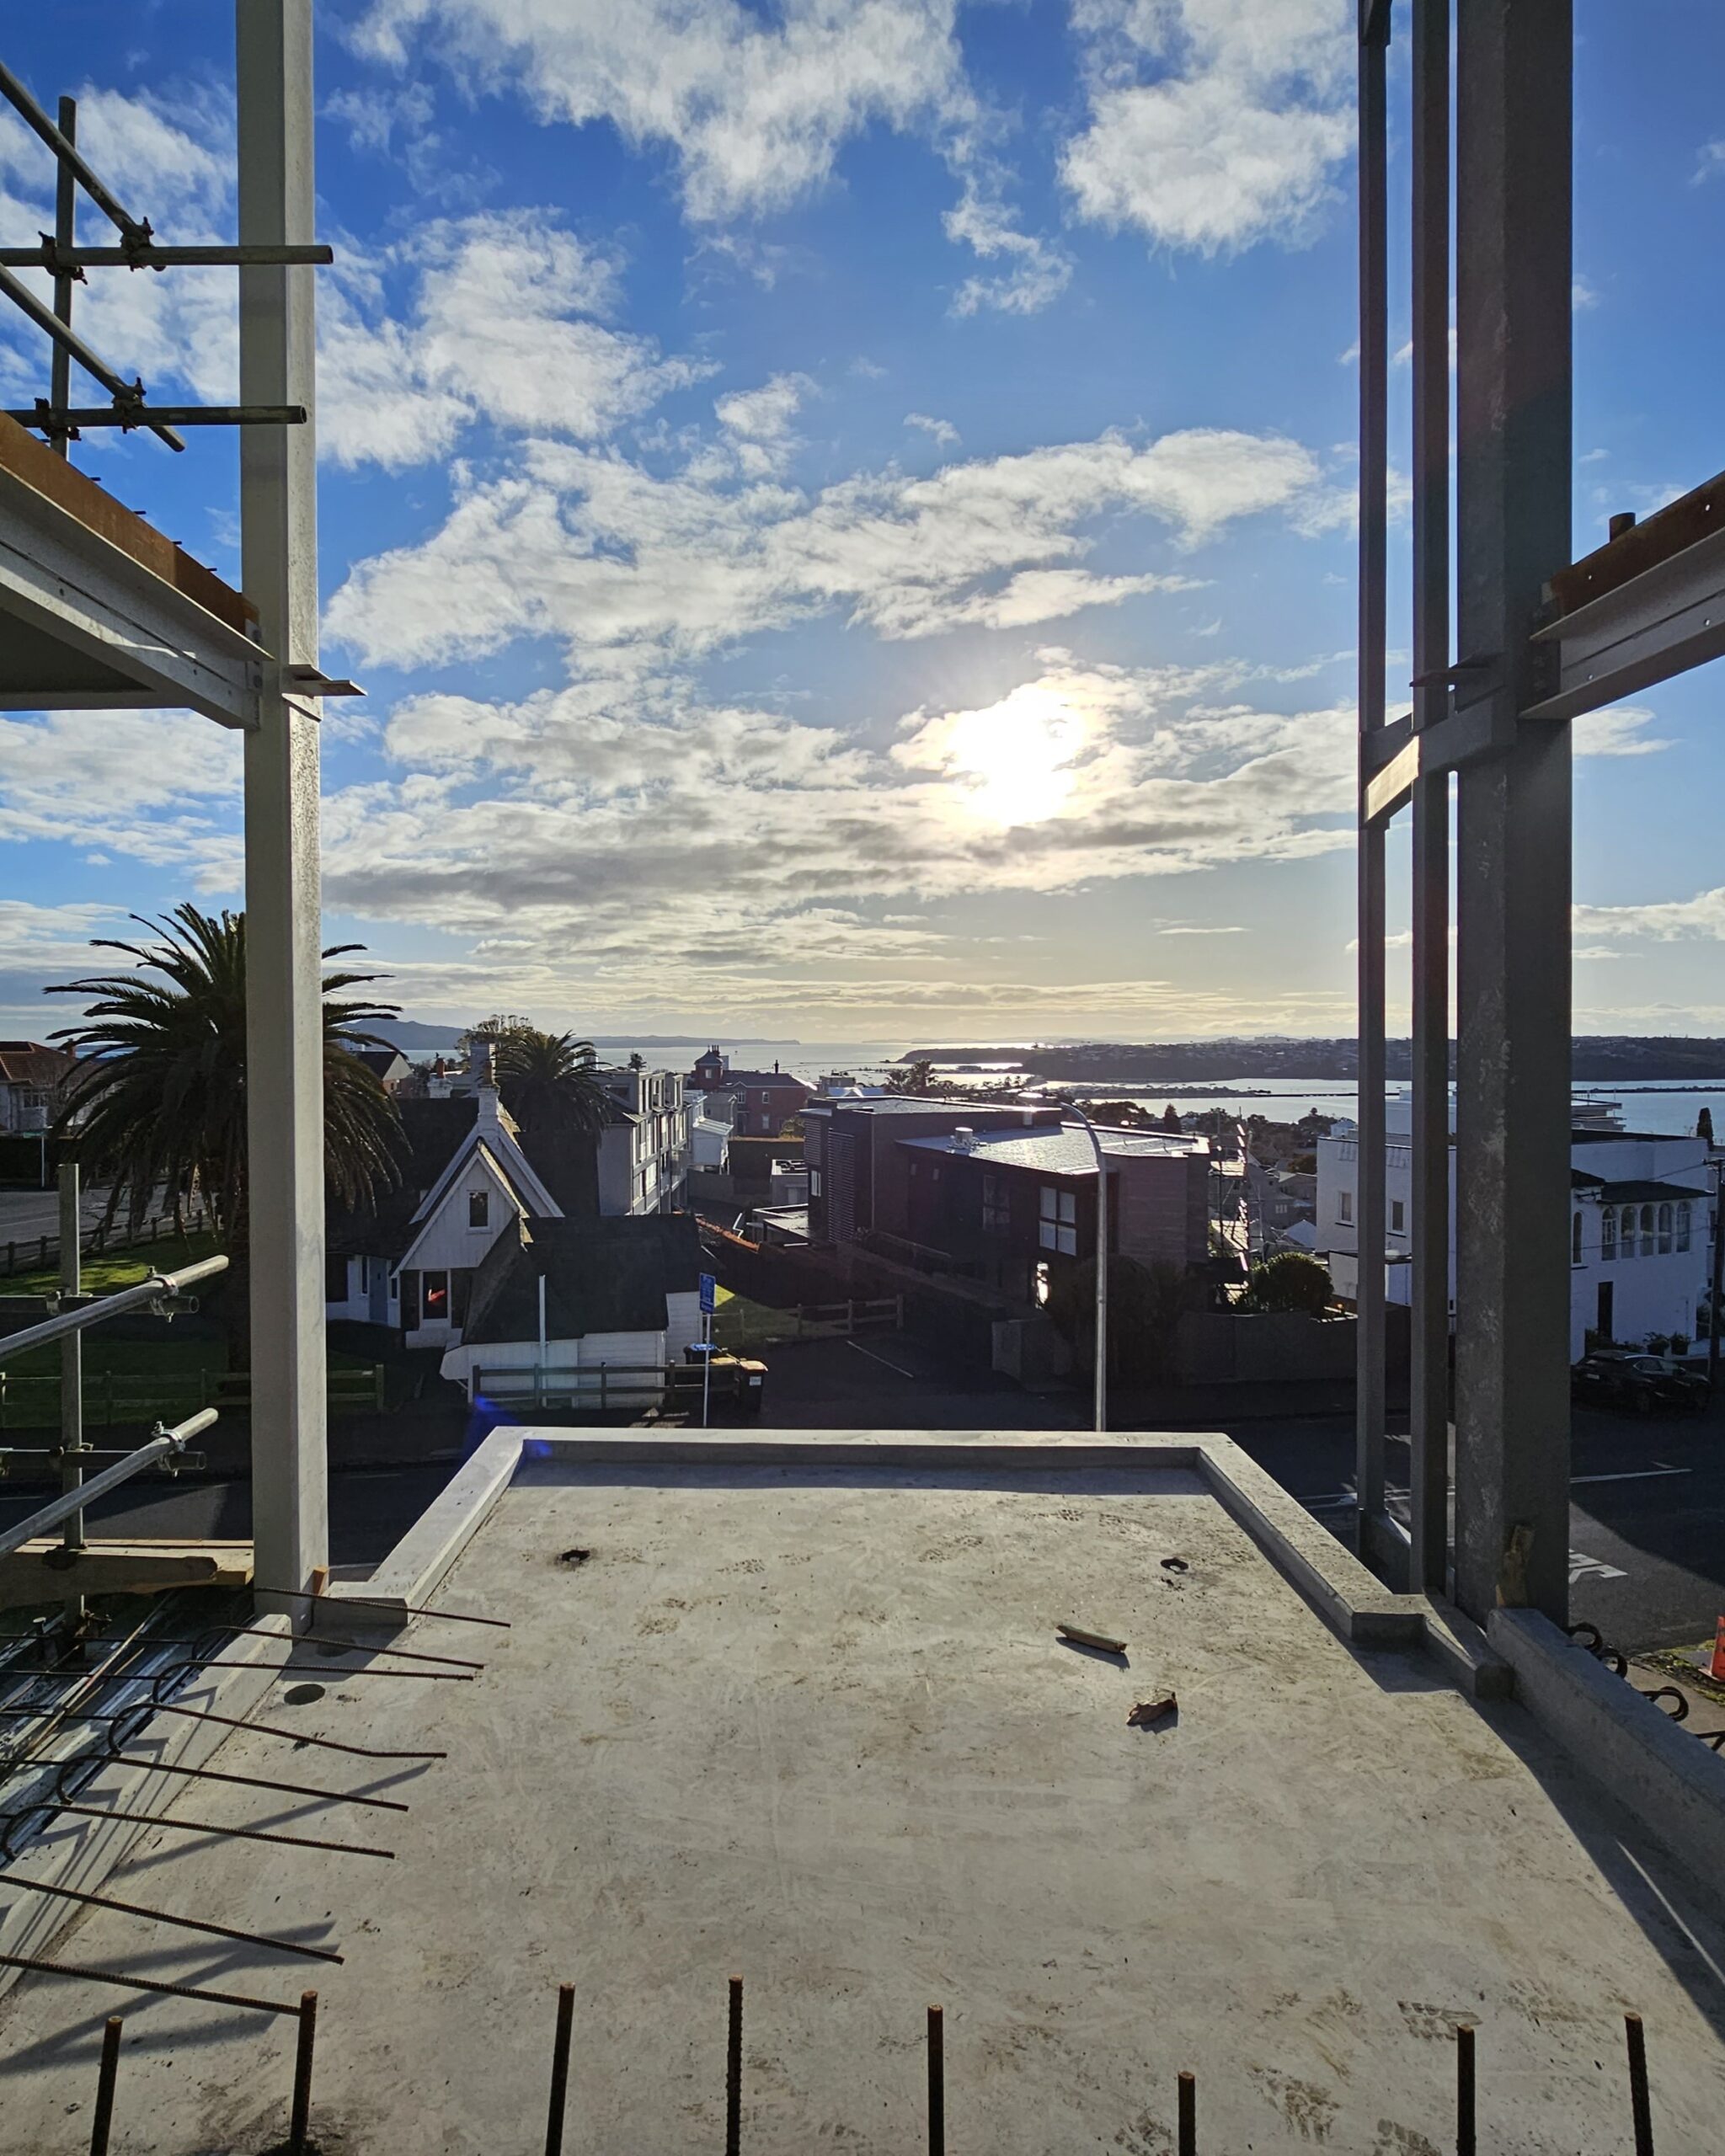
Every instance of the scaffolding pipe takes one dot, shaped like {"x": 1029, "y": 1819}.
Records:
{"x": 69, "y": 341}
{"x": 155, "y": 256}
{"x": 132, "y": 414}
{"x": 33, "y": 115}
{"x": 164, "y": 1444}
{"x": 129, "y": 1299}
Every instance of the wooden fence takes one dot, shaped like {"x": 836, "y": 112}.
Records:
{"x": 809, "y": 1321}
{"x": 116, "y": 1397}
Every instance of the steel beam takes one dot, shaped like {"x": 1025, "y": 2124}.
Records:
{"x": 1374, "y": 466}
{"x": 1444, "y": 746}
{"x": 85, "y": 626}
{"x": 283, "y": 1015}
{"x": 1514, "y": 65}
{"x": 1666, "y": 620}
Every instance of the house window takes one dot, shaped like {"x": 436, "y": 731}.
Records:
{"x": 814, "y": 1182}
{"x": 766, "y": 1125}
{"x": 1057, "y": 1222}
{"x": 433, "y": 1299}
{"x": 1575, "y": 1239}
{"x": 996, "y": 1206}
{"x": 1629, "y": 1231}
{"x": 334, "y": 1278}
{"x": 1664, "y": 1231}
{"x": 1608, "y": 1232}
{"x": 1039, "y": 1282}
{"x": 1398, "y": 1216}
{"x": 461, "y": 1283}
{"x": 1345, "y": 1205}
{"x": 479, "y": 1208}
{"x": 1647, "y": 1231}
{"x": 410, "y": 1301}
{"x": 1683, "y": 1224}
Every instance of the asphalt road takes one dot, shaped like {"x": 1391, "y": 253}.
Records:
{"x": 370, "y": 1508}
{"x": 1647, "y": 1516}
{"x": 25, "y": 1215}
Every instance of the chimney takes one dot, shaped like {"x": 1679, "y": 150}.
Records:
{"x": 774, "y": 1066}
{"x": 964, "y": 1139}
{"x": 482, "y": 1065}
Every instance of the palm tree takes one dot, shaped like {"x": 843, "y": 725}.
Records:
{"x": 158, "y": 1102}
{"x": 550, "y": 1084}
{"x": 911, "y": 1077}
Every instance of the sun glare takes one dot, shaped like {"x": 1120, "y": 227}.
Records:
{"x": 1019, "y": 753}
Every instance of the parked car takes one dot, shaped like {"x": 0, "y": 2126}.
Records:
{"x": 1643, "y": 1385}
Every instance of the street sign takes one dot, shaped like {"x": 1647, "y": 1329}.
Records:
{"x": 709, "y": 1292}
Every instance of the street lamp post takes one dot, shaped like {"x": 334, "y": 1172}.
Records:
{"x": 1101, "y": 1254}
{"x": 1101, "y": 1268}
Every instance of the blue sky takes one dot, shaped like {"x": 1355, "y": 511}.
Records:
{"x": 844, "y": 508}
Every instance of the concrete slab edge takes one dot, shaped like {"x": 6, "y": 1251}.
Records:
{"x": 412, "y": 1570}
{"x": 1350, "y": 1599}
{"x": 84, "y": 1853}
{"x": 1673, "y": 1783}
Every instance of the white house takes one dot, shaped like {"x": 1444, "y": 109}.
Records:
{"x": 416, "y": 1273}
{"x": 1641, "y": 1207}
{"x": 622, "y": 1292}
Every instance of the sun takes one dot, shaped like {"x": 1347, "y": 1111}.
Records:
{"x": 1019, "y": 753}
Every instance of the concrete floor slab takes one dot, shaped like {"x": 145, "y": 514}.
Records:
{"x": 816, "y": 1726}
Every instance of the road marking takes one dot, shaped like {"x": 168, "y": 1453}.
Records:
{"x": 1636, "y": 1475}
{"x": 1582, "y": 1567}
{"x": 874, "y": 1358}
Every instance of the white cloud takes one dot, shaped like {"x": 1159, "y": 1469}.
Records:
{"x": 1214, "y": 124}
{"x": 669, "y": 852}
{"x": 752, "y": 111}
{"x": 1035, "y": 273}
{"x": 156, "y": 787}
{"x": 1616, "y": 731}
{"x": 942, "y": 432}
{"x": 585, "y": 544}
{"x": 1701, "y": 918}
{"x": 501, "y": 328}
{"x": 1709, "y": 164}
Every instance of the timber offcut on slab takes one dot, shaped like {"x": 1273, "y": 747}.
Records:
{"x": 44, "y": 1570}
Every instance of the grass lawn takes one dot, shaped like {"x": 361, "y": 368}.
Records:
{"x": 179, "y": 1356}
{"x": 119, "y": 1268}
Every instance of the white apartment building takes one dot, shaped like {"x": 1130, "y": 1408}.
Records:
{"x": 645, "y": 1146}
{"x": 1641, "y": 1220}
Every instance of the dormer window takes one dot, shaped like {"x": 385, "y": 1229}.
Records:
{"x": 479, "y": 1208}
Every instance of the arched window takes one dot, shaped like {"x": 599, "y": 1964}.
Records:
{"x": 1608, "y": 1232}
{"x": 1665, "y": 1230}
{"x": 1683, "y": 1224}
{"x": 1575, "y": 1239}
{"x": 1647, "y": 1231}
{"x": 1629, "y": 1231}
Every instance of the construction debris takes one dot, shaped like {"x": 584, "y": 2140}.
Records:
{"x": 1148, "y": 1712}
{"x": 1076, "y": 1636}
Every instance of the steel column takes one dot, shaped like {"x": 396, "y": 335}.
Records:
{"x": 71, "y": 1345}
{"x": 1514, "y": 269}
{"x": 1374, "y": 399}
{"x": 284, "y": 1017}
{"x": 1428, "y": 1390}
